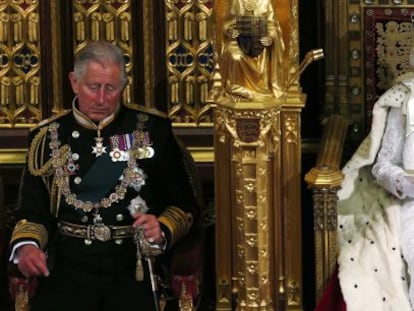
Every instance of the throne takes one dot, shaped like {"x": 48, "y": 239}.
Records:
{"x": 386, "y": 53}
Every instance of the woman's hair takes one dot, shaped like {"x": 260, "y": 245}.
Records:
{"x": 101, "y": 52}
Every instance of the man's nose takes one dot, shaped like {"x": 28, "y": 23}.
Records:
{"x": 100, "y": 95}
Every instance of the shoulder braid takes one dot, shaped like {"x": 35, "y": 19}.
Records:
{"x": 36, "y": 155}
{"x": 36, "y": 166}
{"x": 50, "y": 119}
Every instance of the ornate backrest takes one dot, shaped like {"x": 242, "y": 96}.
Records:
{"x": 388, "y": 41}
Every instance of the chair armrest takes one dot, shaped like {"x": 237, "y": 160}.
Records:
{"x": 327, "y": 171}
{"x": 325, "y": 179}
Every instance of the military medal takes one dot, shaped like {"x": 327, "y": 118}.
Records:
{"x": 99, "y": 149}
{"x": 117, "y": 154}
{"x": 149, "y": 152}
{"x": 71, "y": 166}
{"x": 143, "y": 141}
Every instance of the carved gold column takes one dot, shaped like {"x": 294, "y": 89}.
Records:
{"x": 258, "y": 216}
{"x": 249, "y": 138}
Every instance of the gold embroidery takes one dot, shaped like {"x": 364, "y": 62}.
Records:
{"x": 25, "y": 229}
{"x": 37, "y": 144}
{"x": 177, "y": 221}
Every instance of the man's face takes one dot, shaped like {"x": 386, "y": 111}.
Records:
{"x": 99, "y": 90}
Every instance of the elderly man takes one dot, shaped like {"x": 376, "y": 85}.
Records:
{"x": 103, "y": 185}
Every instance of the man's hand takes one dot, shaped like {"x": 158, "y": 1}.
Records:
{"x": 32, "y": 261}
{"x": 151, "y": 226}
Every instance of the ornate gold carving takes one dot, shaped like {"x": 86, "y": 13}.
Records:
{"x": 291, "y": 126}
{"x": 252, "y": 56}
{"x": 325, "y": 226}
{"x": 56, "y": 57}
{"x": 224, "y": 293}
{"x": 190, "y": 60}
{"x": 20, "y": 59}
{"x": 202, "y": 154}
{"x": 4, "y": 29}
{"x": 5, "y": 85}
{"x": 148, "y": 7}
{"x": 12, "y": 156}
{"x": 262, "y": 140}
{"x": 325, "y": 179}
{"x": 294, "y": 35}
{"x": 253, "y": 136}
{"x": 294, "y": 294}
{"x": 32, "y": 25}
{"x": 227, "y": 120}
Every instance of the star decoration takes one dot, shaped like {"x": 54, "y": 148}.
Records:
{"x": 99, "y": 149}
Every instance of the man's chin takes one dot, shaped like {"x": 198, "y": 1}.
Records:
{"x": 96, "y": 117}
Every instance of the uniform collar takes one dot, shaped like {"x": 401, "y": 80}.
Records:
{"x": 83, "y": 120}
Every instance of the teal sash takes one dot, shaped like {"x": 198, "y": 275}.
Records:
{"x": 100, "y": 179}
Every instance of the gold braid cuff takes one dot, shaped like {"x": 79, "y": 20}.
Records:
{"x": 29, "y": 230}
{"x": 177, "y": 221}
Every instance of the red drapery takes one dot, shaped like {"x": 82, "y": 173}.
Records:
{"x": 332, "y": 299}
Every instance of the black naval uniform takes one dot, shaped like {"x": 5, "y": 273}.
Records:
{"x": 99, "y": 273}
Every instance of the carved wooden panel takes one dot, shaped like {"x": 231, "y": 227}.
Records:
{"x": 20, "y": 59}
{"x": 190, "y": 59}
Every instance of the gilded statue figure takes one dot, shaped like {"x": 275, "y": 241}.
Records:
{"x": 252, "y": 52}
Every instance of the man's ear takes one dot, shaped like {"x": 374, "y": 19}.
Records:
{"x": 73, "y": 82}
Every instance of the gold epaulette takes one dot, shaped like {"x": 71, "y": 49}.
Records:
{"x": 177, "y": 221}
{"x": 50, "y": 119}
{"x": 36, "y": 154}
{"x": 25, "y": 229}
{"x": 152, "y": 111}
